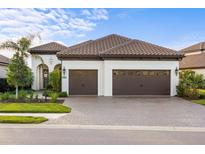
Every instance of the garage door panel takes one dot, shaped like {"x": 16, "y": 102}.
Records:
{"x": 140, "y": 82}
{"x": 83, "y": 82}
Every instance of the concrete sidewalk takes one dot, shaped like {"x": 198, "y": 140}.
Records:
{"x": 49, "y": 116}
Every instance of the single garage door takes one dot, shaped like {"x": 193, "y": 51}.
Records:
{"x": 83, "y": 82}
{"x": 141, "y": 82}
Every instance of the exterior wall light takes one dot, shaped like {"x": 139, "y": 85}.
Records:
{"x": 176, "y": 71}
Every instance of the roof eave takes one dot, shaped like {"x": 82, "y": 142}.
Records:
{"x": 61, "y": 57}
{"x": 192, "y": 67}
{"x": 43, "y": 51}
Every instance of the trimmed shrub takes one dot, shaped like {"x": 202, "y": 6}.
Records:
{"x": 54, "y": 97}
{"x": 22, "y": 94}
{"x": 30, "y": 95}
{"x": 5, "y": 96}
{"x": 192, "y": 93}
{"x": 46, "y": 93}
{"x": 63, "y": 94}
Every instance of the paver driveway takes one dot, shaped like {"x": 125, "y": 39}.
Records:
{"x": 167, "y": 111}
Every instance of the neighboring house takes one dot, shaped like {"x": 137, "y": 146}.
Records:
{"x": 194, "y": 58}
{"x": 4, "y": 61}
{"x": 111, "y": 65}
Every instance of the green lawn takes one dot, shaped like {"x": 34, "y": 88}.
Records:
{"x": 33, "y": 108}
{"x": 22, "y": 119}
{"x": 200, "y": 101}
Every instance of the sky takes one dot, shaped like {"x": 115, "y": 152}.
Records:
{"x": 172, "y": 28}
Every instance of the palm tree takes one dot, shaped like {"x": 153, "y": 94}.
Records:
{"x": 21, "y": 47}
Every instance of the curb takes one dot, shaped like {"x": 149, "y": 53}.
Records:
{"x": 108, "y": 127}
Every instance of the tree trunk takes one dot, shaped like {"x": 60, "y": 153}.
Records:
{"x": 17, "y": 91}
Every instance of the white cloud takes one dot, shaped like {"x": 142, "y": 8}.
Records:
{"x": 52, "y": 24}
{"x": 81, "y": 24}
{"x": 96, "y": 14}
{"x": 86, "y": 12}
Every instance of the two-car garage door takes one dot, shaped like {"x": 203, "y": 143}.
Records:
{"x": 125, "y": 82}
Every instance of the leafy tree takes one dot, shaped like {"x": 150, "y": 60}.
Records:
{"x": 189, "y": 83}
{"x": 19, "y": 74}
{"x": 55, "y": 80}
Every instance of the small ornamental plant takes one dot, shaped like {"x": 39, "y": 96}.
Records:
{"x": 189, "y": 83}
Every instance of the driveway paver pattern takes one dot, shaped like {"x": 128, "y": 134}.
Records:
{"x": 132, "y": 111}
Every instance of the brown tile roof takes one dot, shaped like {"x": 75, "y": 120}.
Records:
{"x": 193, "y": 61}
{"x": 194, "y": 48}
{"x": 49, "y": 48}
{"x": 139, "y": 48}
{"x": 95, "y": 47}
{"x": 4, "y": 60}
{"x": 113, "y": 46}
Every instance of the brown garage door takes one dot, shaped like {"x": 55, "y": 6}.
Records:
{"x": 141, "y": 82}
{"x": 83, "y": 82}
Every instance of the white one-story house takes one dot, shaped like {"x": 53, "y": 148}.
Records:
{"x": 194, "y": 58}
{"x": 111, "y": 65}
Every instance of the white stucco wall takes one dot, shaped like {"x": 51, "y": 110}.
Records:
{"x": 105, "y": 71}
{"x": 50, "y": 60}
{"x": 91, "y": 65}
{"x": 3, "y": 71}
{"x": 200, "y": 71}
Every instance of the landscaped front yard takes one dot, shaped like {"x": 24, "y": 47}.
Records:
{"x": 27, "y": 103}
{"x": 29, "y": 108}
{"x": 33, "y": 108}
{"x": 22, "y": 119}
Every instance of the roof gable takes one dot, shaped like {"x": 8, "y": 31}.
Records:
{"x": 193, "y": 61}
{"x": 194, "y": 48}
{"x": 48, "y": 48}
